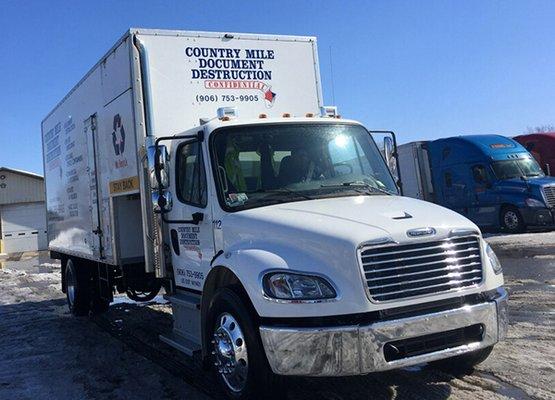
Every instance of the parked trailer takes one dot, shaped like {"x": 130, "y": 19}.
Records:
{"x": 204, "y": 162}
{"x": 490, "y": 179}
{"x": 542, "y": 147}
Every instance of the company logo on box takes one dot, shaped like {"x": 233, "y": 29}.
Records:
{"x": 234, "y": 69}
{"x": 118, "y": 136}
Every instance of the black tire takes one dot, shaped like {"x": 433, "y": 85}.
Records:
{"x": 258, "y": 381}
{"x": 511, "y": 220}
{"x": 147, "y": 293}
{"x": 464, "y": 363}
{"x": 78, "y": 289}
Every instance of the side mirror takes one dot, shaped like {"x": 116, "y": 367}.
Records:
{"x": 162, "y": 202}
{"x": 158, "y": 167}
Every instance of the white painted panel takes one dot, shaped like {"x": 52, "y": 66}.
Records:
{"x": 68, "y": 154}
{"x": 191, "y": 76}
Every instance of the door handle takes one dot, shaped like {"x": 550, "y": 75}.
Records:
{"x": 175, "y": 241}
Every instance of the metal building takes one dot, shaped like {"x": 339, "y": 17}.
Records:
{"x": 22, "y": 211}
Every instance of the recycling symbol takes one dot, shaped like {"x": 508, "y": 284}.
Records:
{"x": 118, "y": 136}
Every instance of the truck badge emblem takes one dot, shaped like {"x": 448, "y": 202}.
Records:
{"x": 118, "y": 136}
{"x": 421, "y": 232}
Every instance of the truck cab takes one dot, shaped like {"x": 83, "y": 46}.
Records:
{"x": 542, "y": 147}
{"x": 492, "y": 180}
{"x": 303, "y": 220}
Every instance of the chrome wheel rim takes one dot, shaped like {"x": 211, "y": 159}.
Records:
{"x": 230, "y": 352}
{"x": 70, "y": 286}
{"x": 511, "y": 220}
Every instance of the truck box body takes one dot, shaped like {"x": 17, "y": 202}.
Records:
{"x": 190, "y": 75}
{"x": 466, "y": 174}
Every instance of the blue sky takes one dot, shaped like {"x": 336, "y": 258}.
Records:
{"x": 425, "y": 69}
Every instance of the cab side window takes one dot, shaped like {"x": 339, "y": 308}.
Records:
{"x": 479, "y": 174}
{"x": 448, "y": 179}
{"x": 191, "y": 175}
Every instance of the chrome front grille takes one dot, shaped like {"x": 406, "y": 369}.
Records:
{"x": 549, "y": 194}
{"x": 398, "y": 272}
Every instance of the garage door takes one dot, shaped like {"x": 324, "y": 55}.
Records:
{"x": 23, "y": 227}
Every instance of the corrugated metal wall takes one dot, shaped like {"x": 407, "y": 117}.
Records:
{"x": 18, "y": 188}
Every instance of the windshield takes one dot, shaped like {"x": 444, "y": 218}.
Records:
{"x": 522, "y": 167}
{"x": 269, "y": 164}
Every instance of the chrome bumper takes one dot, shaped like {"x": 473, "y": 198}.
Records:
{"x": 356, "y": 350}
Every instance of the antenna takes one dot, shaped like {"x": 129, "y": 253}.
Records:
{"x": 332, "y": 80}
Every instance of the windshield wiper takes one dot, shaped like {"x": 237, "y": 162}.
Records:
{"x": 356, "y": 184}
{"x": 282, "y": 191}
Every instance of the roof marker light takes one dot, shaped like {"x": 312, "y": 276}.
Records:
{"x": 328, "y": 111}
{"x": 309, "y": 115}
{"x": 286, "y": 115}
{"x": 229, "y": 112}
{"x": 262, "y": 116}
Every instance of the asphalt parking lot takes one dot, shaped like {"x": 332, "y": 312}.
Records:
{"x": 45, "y": 353}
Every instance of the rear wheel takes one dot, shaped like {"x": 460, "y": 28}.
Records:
{"x": 238, "y": 357}
{"x": 463, "y": 363}
{"x": 511, "y": 220}
{"x": 78, "y": 291}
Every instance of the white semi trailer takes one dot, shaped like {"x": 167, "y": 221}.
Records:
{"x": 206, "y": 164}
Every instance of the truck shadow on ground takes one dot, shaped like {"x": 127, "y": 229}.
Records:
{"x": 139, "y": 326}
{"x": 66, "y": 356}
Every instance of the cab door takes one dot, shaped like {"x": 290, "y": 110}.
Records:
{"x": 484, "y": 209}
{"x": 190, "y": 220}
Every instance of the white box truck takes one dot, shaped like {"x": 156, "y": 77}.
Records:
{"x": 206, "y": 164}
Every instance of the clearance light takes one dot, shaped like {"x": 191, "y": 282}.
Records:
{"x": 309, "y": 115}
{"x": 262, "y": 115}
{"x": 227, "y": 112}
{"x": 328, "y": 111}
{"x": 286, "y": 115}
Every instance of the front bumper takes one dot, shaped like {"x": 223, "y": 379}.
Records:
{"x": 357, "y": 349}
{"x": 538, "y": 216}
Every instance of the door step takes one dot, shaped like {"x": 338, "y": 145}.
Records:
{"x": 186, "y": 323}
{"x": 180, "y": 343}
{"x": 190, "y": 301}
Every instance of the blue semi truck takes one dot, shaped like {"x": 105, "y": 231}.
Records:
{"x": 491, "y": 179}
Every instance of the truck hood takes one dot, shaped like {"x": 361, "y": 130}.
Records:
{"x": 532, "y": 187}
{"x": 356, "y": 219}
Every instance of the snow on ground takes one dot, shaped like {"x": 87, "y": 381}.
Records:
{"x": 45, "y": 353}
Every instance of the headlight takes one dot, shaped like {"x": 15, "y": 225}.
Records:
{"x": 291, "y": 286}
{"x": 493, "y": 260}
{"x": 534, "y": 203}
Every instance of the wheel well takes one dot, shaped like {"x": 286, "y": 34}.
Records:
{"x": 504, "y": 206}
{"x": 221, "y": 277}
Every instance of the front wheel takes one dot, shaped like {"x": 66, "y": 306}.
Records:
{"x": 238, "y": 357}
{"x": 511, "y": 220}
{"x": 463, "y": 363}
